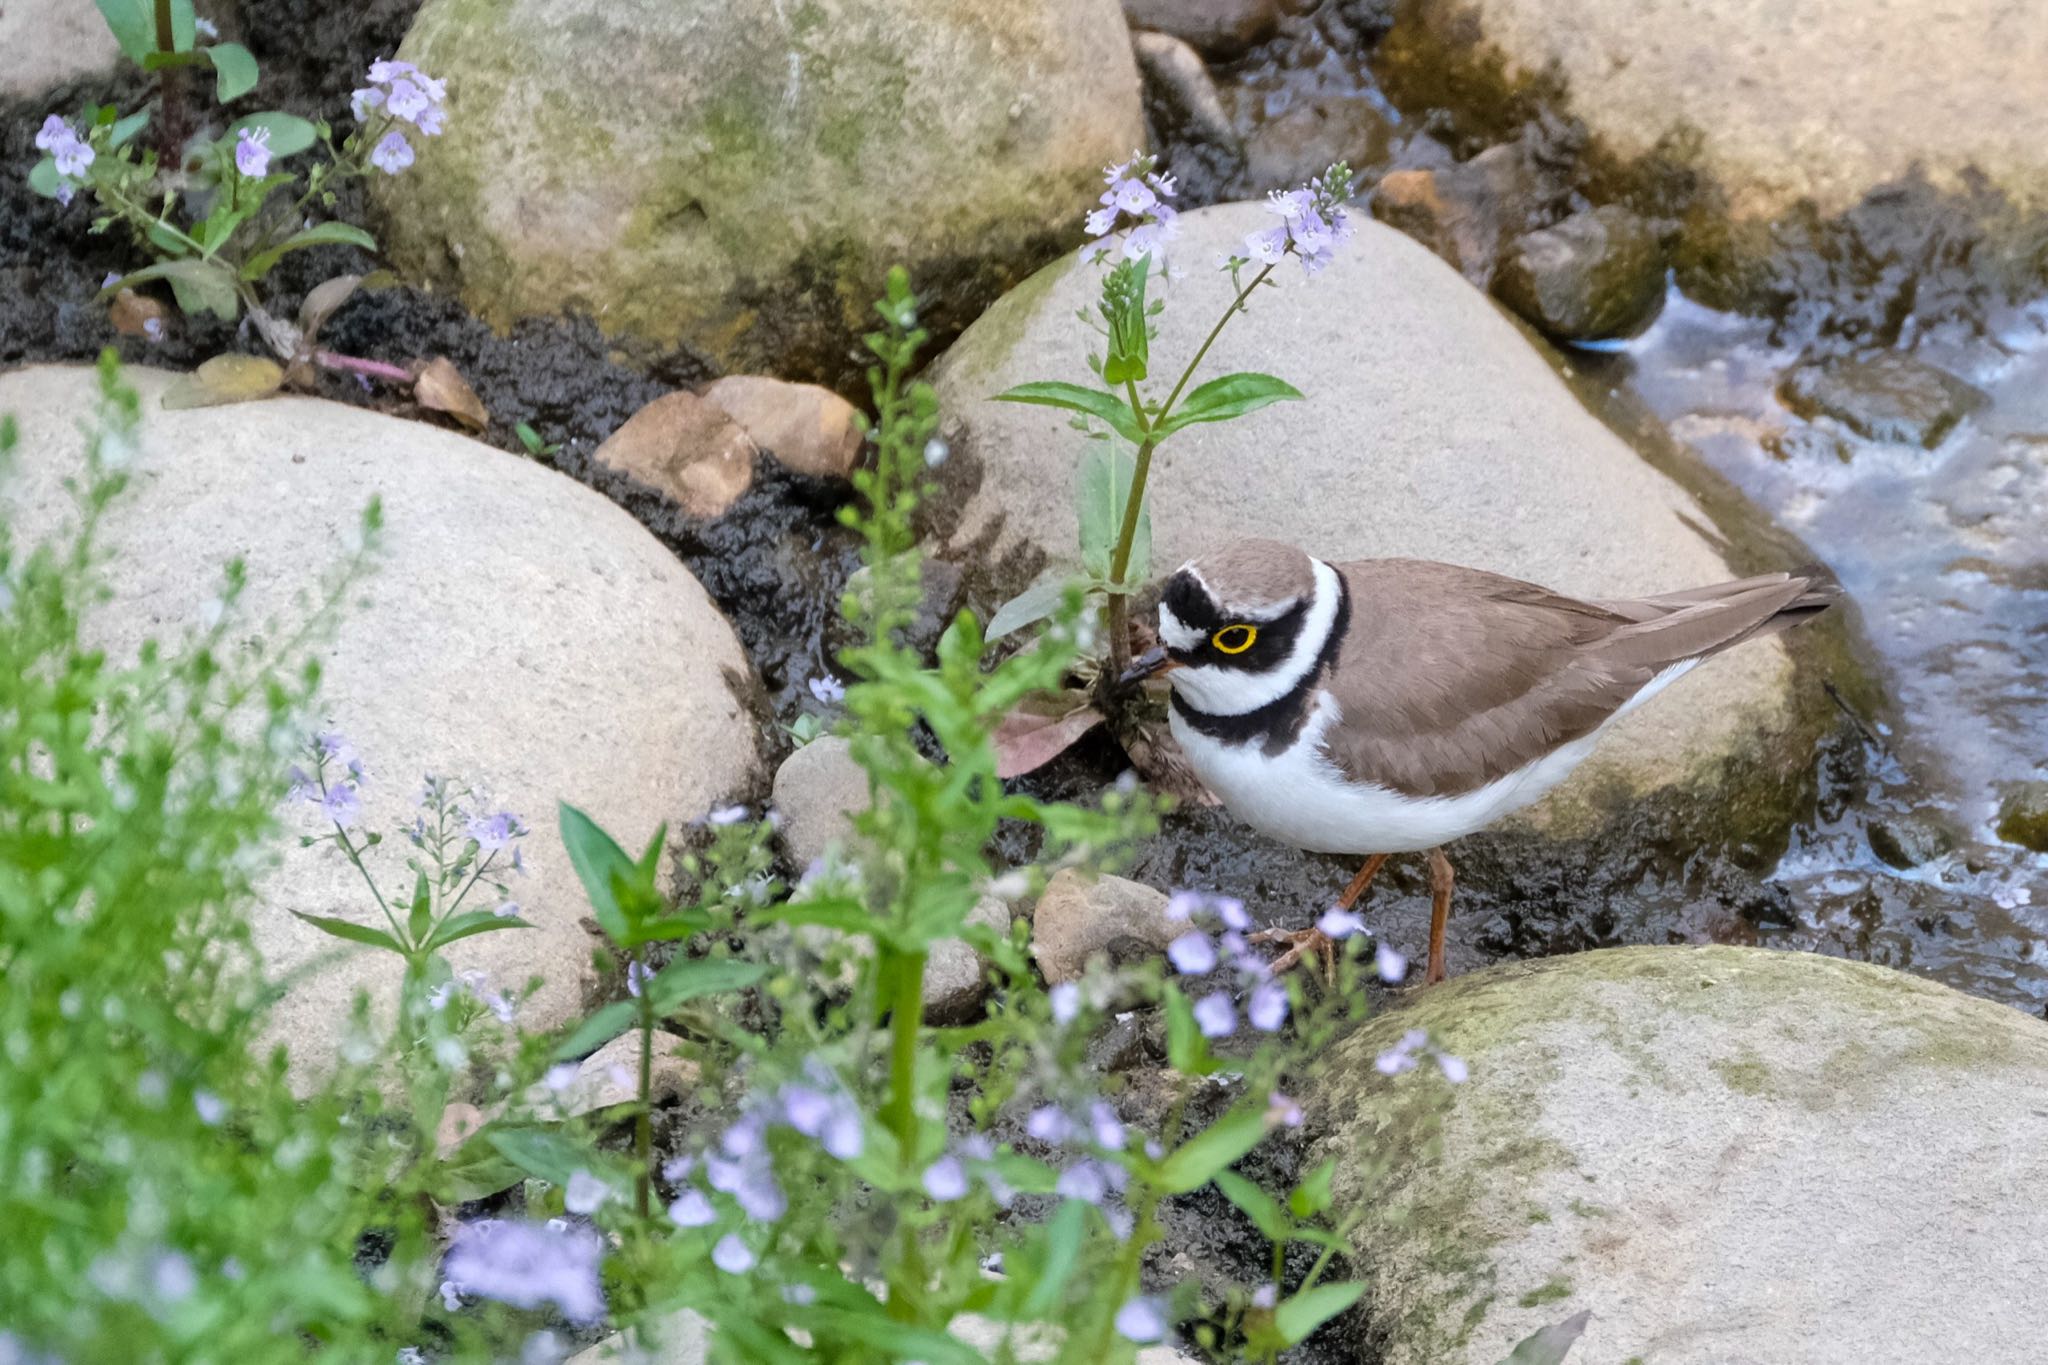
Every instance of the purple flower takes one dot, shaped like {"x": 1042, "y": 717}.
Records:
{"x": 383, "y": 72}
{"x": 692, "y": 1210}
{"x": 731, "y": 1255}
{"x": 751, "y": 1182}
{"x": 828, "y": 689}
{"x": 342, "y": 805}
{"x": 1313, "y": 222}
{"x": 585, "y": 1193}
{"x": 494, "y": 832}
{"x": 72, "y": 153}
{"x": 1231, "y": 911}
{"x": 1266, "y": 1296}
{"x": 252, "y": 152}
{"x": 799, "y": 1295}
{"x": 392, "y": 153}
{"x": 209, "y": 1107}
{"x": 1340, "y": 923}
{"x": 1214, "y": 1015}
{"x": 1048, "y": 1123}
{"x": 726, "y": 815}
{"x": 1141, "y": 1320}
{"x": 638, "y": 974}
{"x": 1109, "y": 1129}
{"x": 1267, "y": 1009}
{"x": 1137, "y": 192}
{"x": 451, "y": 1297}
{"x": 945, "y": 1179}
{"x": 1282, "y": 1112}
{"x": 361, "y": 102}
{"x": 1192, "y": 953}
{"x": 1066, "y": 1002}
{"x": 1085, "y": 1181}
{"x": 405, "y": 99}
{"x": 559, "y": 1077}
{"x": 1185, "y": 904}
{"x": 805, "y": 1109}
{"x": 1401, "y": 1056}
{"x": 506, "y": 910}
{"x": 527, "y": 1265}
{"x": 1390, "y": 964}
{"x": 1454, "y": 1068}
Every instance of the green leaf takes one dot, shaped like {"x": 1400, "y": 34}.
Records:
{"x": 320, "y": 234}
{"x": 230, "y": 378}
{"x": 289, "y": 134}
{"x": 184, "y": 26}
{"x": 1196, "y": 1162}
{"x": 599, "y": 864}
{"x": 201, "y": 286}
{"x": 1187, "y": 1051}
{"x": 470, "y": 923}
{"x": 43, "y": 178}
{"x": 599, "y": 1029}
{"x": 133, "y": 24}
{"x": 687, "y": 978}
{"x": 540, "y": 1152}
{"x": 1262, "y": 1208}
{"x": 1551, "y": 1345}
{"x": 353, "y": 932}
{"x": 234, "y": 71}
{"x": 422, "y": 915}
{"x": 126, "y": 129}
{"x": 1123, "y": 308}
{"x": 1034, "y": 604}
{"x": 476, "y": 1169}
{"x": 893, "y": 1340}
{"x": 1312, "y": 1195}
{"x": 1103, "y": 488}
{"x": 1063, "y": 1239}
{"x": 1095, "y": 402}
{"x": 1231, "y": 396}
{"x": 1311, "y": 1308}
{"x": 847, "y": 916}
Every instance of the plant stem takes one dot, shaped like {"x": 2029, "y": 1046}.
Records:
{"x": 643, "y": 1122}
{"x": 171, "y": 86}
{"x": 1127, "y": 533}
{"x": 375, "y": 369}
{"x": 903, "y": 975}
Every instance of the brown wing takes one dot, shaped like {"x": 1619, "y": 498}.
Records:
{"x": 1451, "y": 678}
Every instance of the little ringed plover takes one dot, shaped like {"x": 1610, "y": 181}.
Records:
{"x": 1389, "y": 706}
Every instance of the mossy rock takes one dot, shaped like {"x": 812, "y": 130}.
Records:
{"x": 1724, "y": 1153}
{"x": 736, "y": 178}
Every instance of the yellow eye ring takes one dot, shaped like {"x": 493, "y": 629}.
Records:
{"x": 1235, "y": 639}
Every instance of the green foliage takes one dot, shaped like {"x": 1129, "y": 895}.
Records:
{"x": 165, "y": 1194}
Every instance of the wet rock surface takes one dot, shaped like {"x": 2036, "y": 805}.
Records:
{"x": 1657, "y": 1134}
{"x": 1176, "y": 81}
{"x": 1463, "y": 212}
{"x": 513, "y": 597}
{"x": 1599, "y": 273}
{"x": 1079, "y": 917}
{"x": 1219, "y": 28}
{"x": 739, "y": 178}
{"x": 808, "y": 429}
{"x": 1885, "y": 397}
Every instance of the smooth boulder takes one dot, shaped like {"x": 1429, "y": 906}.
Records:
{"x": 1821, "y": 101}
{"x": 517, "y": 632}
{"x": 1726, "y": 1154}
{"x": 1431, "y": 428}
{"x": 44, "y": 43}
{"x": 737, "y": 178}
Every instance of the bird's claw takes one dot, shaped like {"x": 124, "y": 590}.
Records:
{"x": 1309, "y": 942}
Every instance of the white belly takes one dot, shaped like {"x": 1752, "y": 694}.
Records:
{"x": 1299, "y": 797}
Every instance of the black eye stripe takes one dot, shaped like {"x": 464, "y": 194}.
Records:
{"x": 1191, "y": 605}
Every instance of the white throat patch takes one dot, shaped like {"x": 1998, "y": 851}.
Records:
{"x": 1233, "y": 691}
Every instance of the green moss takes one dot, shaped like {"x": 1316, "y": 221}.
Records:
{"x": 1557, "y": 1287}
{"x": 1745, "y": 1075}
{"x": 1586, "y": 1210}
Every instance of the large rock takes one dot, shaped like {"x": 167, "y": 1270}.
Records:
{"x": 519, "y": 631}
{"x": 1727, "y": 1154}
{"x": 1822, "y": 100}
{"x": 44, "y": 43}
{"x": 740, "y": 176}
{"x": 1431, "y": 428}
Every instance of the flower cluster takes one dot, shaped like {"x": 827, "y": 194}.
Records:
{"x": 407, "y": 95}
{"x": 818, "y": 1106}
{"x": 476, "y": 984}
{"x": 1136, "y": 201}
{"x": 527, "y": 1265}
{"x": 339, "y": 795}
{"x": 1195, "y": 953}
{"x": 72, "y": 153}
{"x": 1312, "y": 222}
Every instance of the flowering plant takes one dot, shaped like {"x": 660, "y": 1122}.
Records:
{"x": 1136, "y": 226}
{"x": 218, "y": 211}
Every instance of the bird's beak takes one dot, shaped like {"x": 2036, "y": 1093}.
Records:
{"x": 1150, "y": 664}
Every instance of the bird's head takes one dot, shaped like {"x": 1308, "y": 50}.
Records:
{"x": 1239, "y": 628}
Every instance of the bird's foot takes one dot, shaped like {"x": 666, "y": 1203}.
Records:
{"x": 1310, "y": 942}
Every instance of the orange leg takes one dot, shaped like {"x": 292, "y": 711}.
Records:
{"x": 1313, "y": 942}
{"x": 1441, "y": 880}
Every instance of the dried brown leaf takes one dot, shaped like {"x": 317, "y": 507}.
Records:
{"x": 137, "y": 315}
{"x": 1035, "y": 734}
{"x": 321, "y": 302}
{"x": 440, "y": 386}
{"x": 230, "y": 378}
